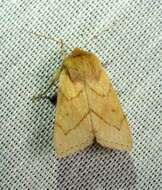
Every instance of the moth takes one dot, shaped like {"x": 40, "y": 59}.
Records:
{"x": 87, "y": 107}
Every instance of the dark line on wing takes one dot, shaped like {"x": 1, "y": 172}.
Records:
{"x": 77, "y": 125}
{"x": 103, "y": 95}
{"x": 104, "y": 120}
{"x": 69, "y": 99}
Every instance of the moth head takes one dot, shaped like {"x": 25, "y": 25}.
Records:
{"x": 75, "y": 57}
{"x": 79, "y": 52}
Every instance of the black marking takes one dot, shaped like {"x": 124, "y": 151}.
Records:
{"x": 53, "y": 99}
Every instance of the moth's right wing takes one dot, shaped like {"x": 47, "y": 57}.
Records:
{"x": 108, "y": 119}
{"x": 73, "y": 130}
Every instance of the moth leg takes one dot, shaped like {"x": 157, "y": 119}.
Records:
{"x": 119, "y": 93}
{"x": 55, "y": 75}
{"x": 106, "y": 63}
{"x": 52, "y": 81}
{"x": 42, "y": 94}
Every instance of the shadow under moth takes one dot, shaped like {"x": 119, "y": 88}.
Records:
{"x": 87, "y": 107}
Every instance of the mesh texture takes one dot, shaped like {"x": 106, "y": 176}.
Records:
{"x": 132, "y": 49}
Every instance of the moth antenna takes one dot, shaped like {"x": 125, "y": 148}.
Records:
{"x": 56, "y": 73}
{"x": 50, "y": 38}
{"x": 97, "y": 35}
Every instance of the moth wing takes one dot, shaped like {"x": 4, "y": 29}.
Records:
{"x": 109, "y": 122}
{"x": 73, "y": 129}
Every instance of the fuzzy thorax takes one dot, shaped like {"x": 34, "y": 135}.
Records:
{"x": 82, "y": 65}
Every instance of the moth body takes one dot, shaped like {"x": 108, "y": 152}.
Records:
{"x": 87, "y": 107}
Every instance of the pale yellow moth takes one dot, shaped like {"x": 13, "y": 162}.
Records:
{"x": 87, "y": 107}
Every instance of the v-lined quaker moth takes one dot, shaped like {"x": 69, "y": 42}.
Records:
{"x": 87, "y": 106}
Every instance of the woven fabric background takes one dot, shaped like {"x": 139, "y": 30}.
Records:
{"x": 132, "y": 49}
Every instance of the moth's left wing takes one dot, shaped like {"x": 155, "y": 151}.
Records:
{"x": 73, "y": 129}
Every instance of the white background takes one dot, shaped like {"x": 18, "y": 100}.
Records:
{"x": 132, "y": 48}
